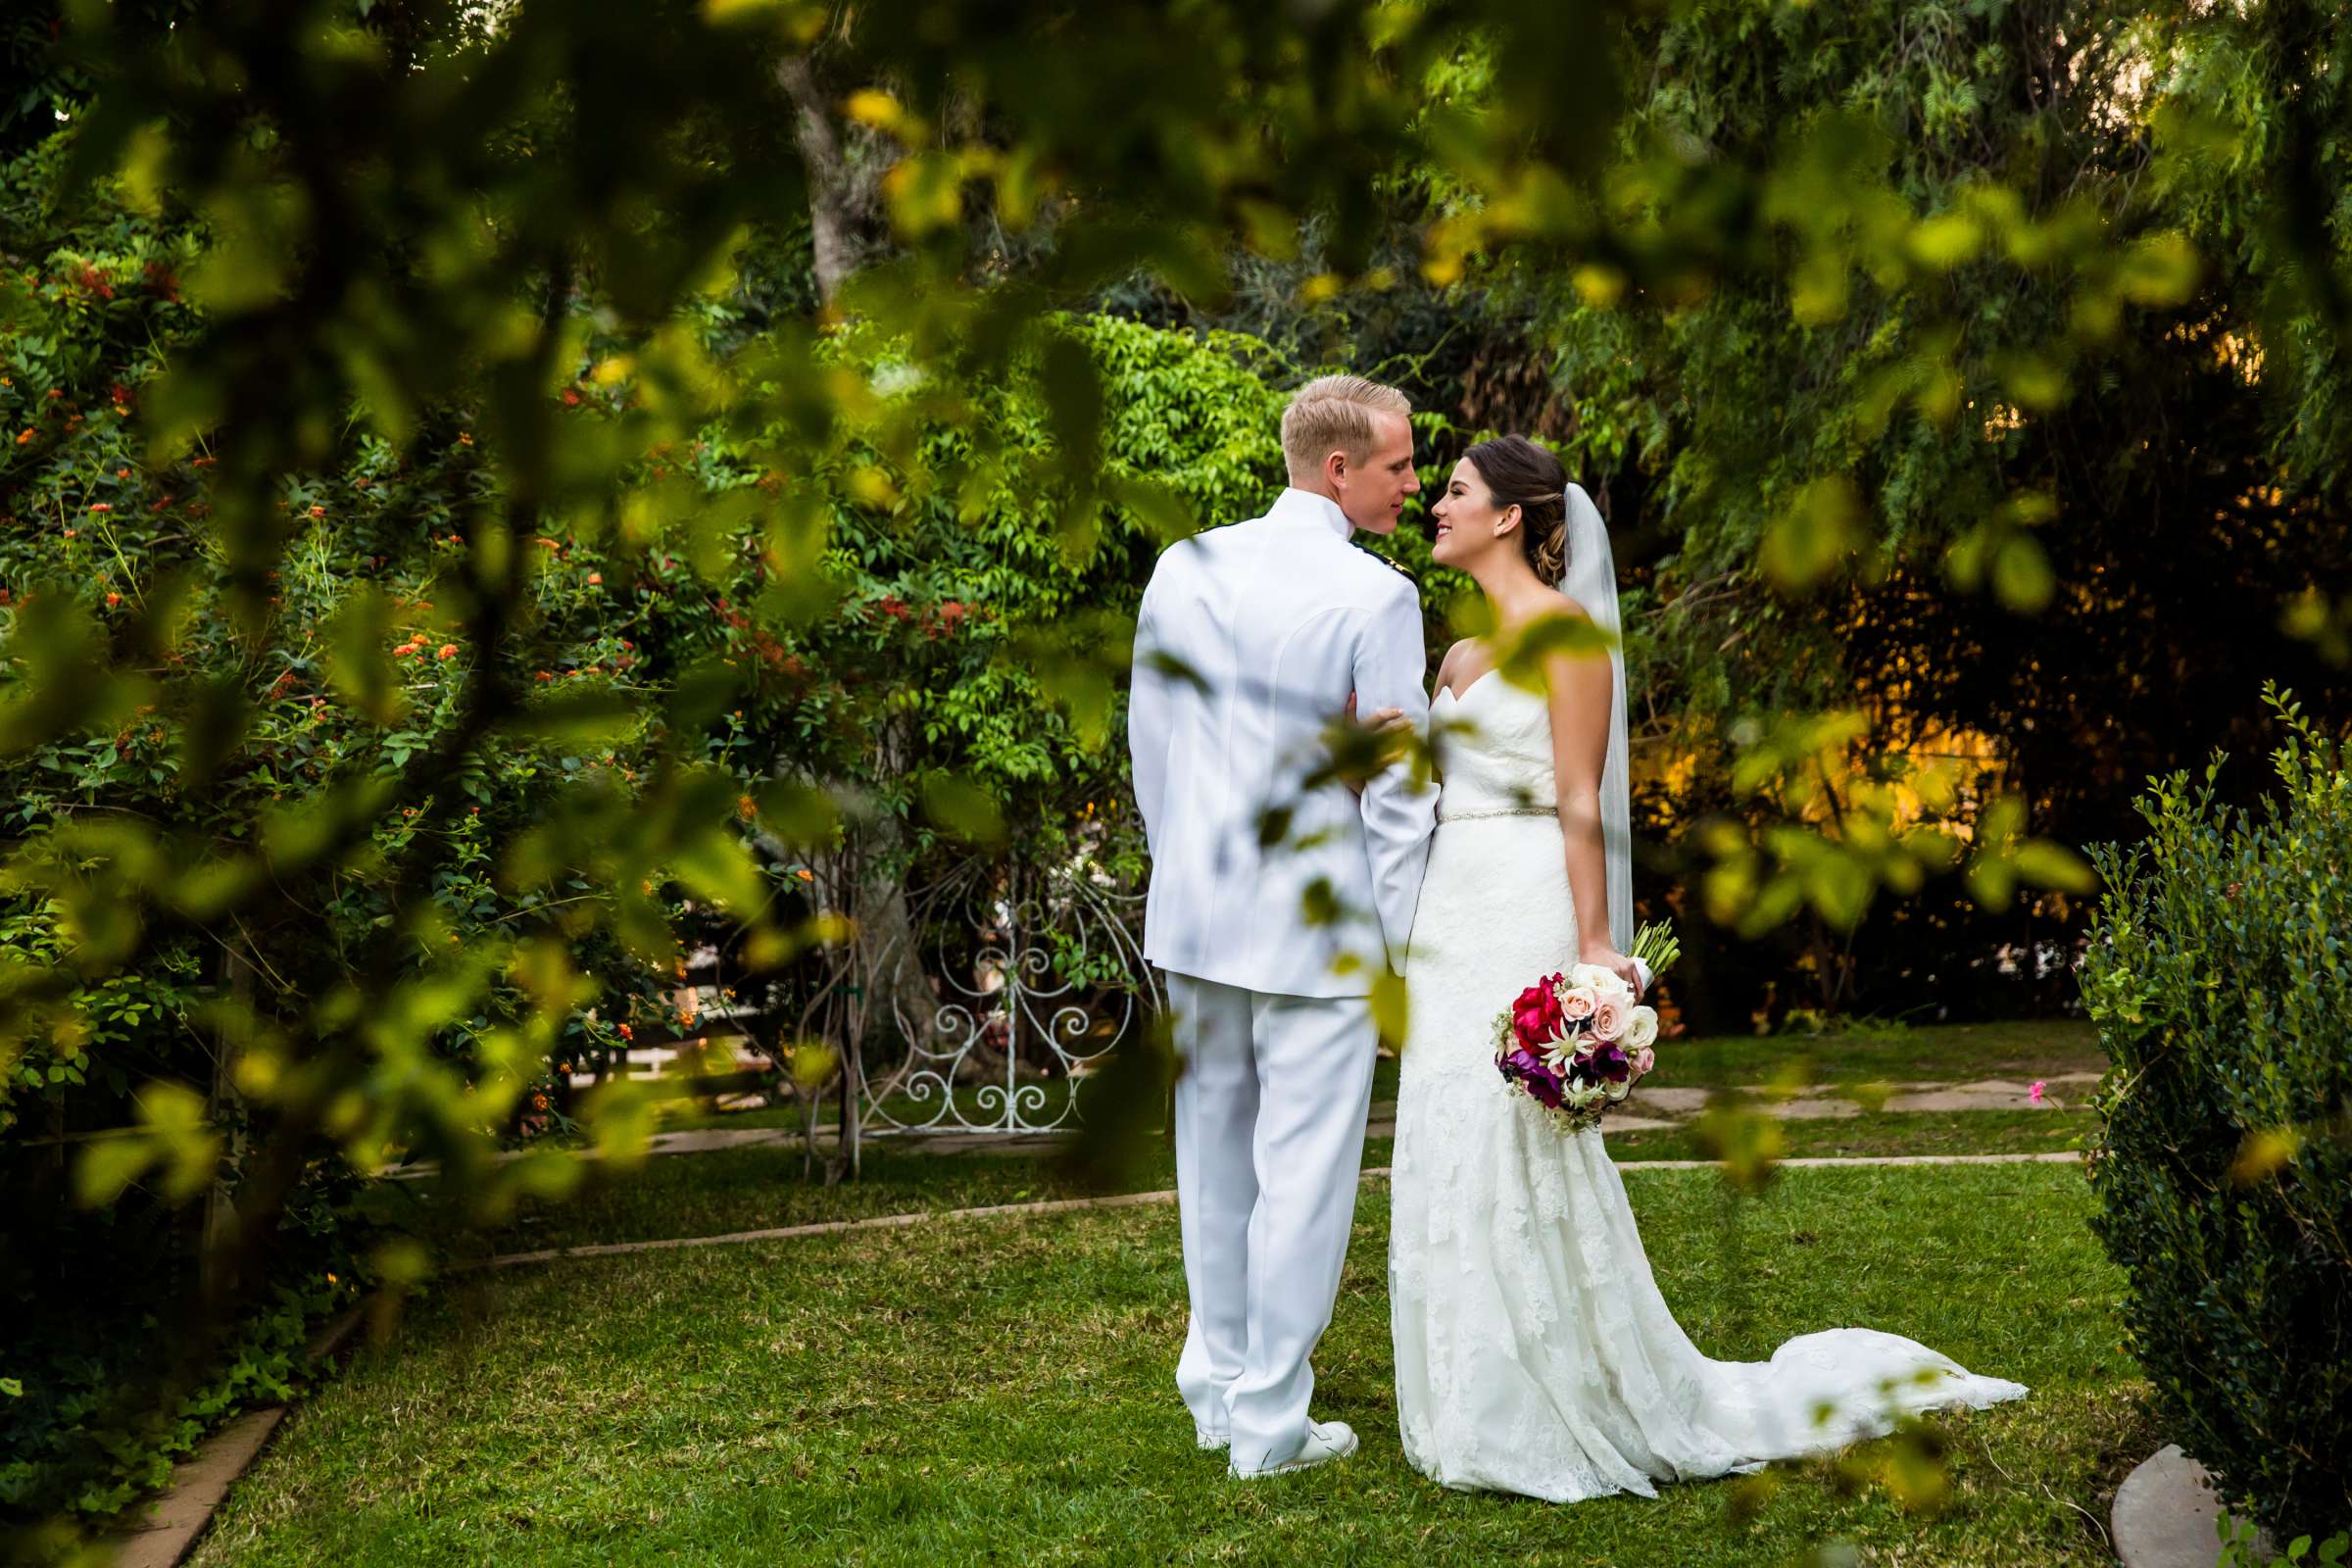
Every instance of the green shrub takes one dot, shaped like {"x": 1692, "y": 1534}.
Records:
{"x": 2219, "y": 974}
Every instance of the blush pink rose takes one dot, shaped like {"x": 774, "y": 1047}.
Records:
{"x": 1645, "y": 1060}
{"x": 1576, "y": 1004}
{"x": 1608, "y": 1018}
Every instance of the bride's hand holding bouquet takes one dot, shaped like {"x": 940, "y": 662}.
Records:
{"x": 1577, "y": 1042}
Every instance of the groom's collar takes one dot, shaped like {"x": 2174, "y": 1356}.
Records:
{"x": 1295, "y": 505}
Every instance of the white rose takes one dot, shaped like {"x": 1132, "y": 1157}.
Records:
{"x": 1605, "y": 982}
{"x": 1619, "y": 1089}
{"x": 1642, "y": 1030}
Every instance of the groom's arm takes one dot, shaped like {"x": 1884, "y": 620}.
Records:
{"x": 1399, "y": 814}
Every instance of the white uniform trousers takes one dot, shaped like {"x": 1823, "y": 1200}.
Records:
{"x": 1270, "y": 1107}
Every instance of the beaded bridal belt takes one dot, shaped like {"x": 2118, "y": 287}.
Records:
{"x": 1500, "y": 810}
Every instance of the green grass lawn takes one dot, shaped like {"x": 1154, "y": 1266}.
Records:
{"x": 760, "y": 1188}
{"x": 999, "y": 1391}
{"x": 755, "y": 1188}
{"x": 1958, "y": 1052}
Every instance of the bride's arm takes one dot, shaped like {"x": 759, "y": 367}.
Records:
{"x": 1579, "y": 691}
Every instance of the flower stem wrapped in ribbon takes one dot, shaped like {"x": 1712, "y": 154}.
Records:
{"x": 1577, "y": 1042}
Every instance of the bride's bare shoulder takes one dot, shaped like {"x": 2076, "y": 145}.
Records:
{"x": 1456, "y": 657}
{"x": 1561, "y": 603}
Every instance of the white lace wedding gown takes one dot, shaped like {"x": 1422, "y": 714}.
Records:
{"x": 1534, "y": 1353}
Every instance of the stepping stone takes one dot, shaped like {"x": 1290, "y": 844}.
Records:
{"x": 2164, "y": 1512}
{"x": 1989, "y": 1093}
{"x": 1809, "y": 1108}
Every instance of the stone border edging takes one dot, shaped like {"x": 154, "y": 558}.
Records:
{"x": 169, "y": 1526}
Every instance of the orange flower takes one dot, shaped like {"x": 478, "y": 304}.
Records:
{"x": 27, "y": 436}
{"x": 447, "y": 651}
{"x": 121, "y": 473}
{"x": 317, "y": 511}
{"x": 627, "y": 1033}
{"x": 112, "y": 600}
{"x": 595, "y": 579}
{"x": 538, "y": 1101}
{"x": 102, "y": 506}
{"x": 403, "y": 650}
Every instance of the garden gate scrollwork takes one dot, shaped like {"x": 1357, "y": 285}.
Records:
{"x": 1039, "y": 973}
{"x": 1023, "y": 978}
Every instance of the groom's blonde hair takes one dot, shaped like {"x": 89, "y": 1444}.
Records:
{"x": 1334, "y": 413}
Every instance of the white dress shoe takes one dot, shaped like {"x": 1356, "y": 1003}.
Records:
{"x": 1210, "y": 1442}
{"x": 1326, "y": 1440}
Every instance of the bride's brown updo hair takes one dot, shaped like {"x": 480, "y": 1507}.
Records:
{"x": 1523, "y": 474}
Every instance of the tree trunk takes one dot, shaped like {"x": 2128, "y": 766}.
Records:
{"x": 828, "y": 176}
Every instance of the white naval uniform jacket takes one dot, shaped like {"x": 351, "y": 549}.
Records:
{"x": 1269, "y": 625}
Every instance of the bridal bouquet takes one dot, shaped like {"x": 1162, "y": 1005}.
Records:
{"x": 1577, "y": 1041}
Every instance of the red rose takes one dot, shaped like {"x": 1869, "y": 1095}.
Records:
{"x": 1536, "y": 1017}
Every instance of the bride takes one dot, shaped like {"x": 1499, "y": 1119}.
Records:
{"x": 1534, "y": 1353}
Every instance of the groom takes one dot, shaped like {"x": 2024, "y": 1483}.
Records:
{"x": 1250, "y": 641}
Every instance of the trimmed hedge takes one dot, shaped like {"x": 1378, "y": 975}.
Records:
{"x": 2220, "y": 975}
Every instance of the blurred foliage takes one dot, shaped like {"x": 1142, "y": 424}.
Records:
{"x": 497, "y": 497}
{"x": 2223, "y": 1165}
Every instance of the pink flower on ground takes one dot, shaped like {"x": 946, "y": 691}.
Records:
{"x": 2033, "y": 1095}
